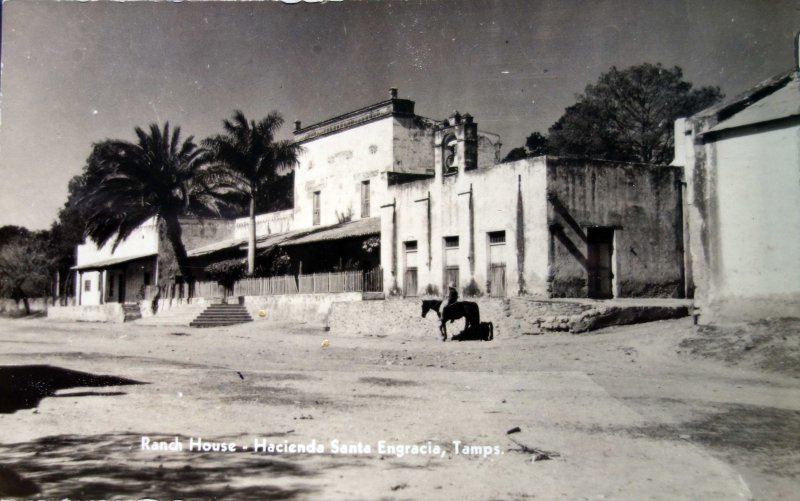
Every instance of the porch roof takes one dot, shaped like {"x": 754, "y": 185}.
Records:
{"x": 360, "y": 228}
{"x": 350, "y": 229}
{"x": 107, "y": 263}
{"x": 229, "y": 243}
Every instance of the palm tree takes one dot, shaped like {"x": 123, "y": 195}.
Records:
{"x": 158, "y": 176}
{"x": 249, "y": 159}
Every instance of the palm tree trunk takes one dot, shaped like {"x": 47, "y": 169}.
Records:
{"x": 251, "y": 238}
{"x": 174, "y": 232}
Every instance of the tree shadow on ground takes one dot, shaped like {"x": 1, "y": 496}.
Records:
{"x": 24, "y": 386}
{"x": 113, "y": 465}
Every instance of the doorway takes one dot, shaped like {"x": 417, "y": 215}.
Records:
{"x": 121, "y": 286}
{"x": 599, "y": 262}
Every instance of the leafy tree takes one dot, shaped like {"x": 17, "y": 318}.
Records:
{"x": 535, "y": 145}
{"x": 158, "y": 176}
{"x": 516, "y": 154}
{"x": 249, "y": 159}
{"x": 628, "y": 115}
{"x": 25, "y": 268}
{"x": 67, "y": 232}
{"x": 227, "y": 272}
{"x": 11, "y": 233}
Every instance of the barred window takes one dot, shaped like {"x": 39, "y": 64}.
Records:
{"x": 450, "y": 242}
{"x": 497, "y": 237}
{"x": 411, "y": 246}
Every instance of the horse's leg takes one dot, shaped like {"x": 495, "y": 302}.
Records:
{"x": 443, "y": 330}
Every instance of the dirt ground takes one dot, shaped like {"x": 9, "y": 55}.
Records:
{"x": 663, "y": 410}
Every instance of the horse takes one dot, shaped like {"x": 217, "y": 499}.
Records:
{"x": 461, "y": 309}
{"x": 484, "y": 332}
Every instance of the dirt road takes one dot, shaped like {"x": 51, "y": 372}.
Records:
{"x": 624, "y": 413}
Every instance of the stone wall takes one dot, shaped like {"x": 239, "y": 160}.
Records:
{"x": 110, "y": 312}
{"x": 11, "y": 307}
{"x": 640, "y": 203}
{"x": 309, "y": 308}
{"x": 511, "y": 316}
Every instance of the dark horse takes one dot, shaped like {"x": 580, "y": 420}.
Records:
{"x": 461, "y": 309}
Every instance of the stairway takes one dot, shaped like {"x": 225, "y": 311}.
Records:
{"x": 132, "y": 312}
{"x": 176, "y": 316}
{"x": 218, "y": 315}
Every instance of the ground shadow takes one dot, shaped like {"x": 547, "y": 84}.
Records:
{"x": 113, "y": 465}
{"x": 24, "y": 386}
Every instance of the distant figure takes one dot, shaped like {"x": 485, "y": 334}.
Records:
{"x": 451, "y": 298}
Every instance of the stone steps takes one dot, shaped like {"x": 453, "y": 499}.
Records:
{"x": 175, "y": 316}
{"x": 132, "y": 312}
{"x": 218, "y": 315}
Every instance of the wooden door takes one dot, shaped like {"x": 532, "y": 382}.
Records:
{"x": 600, "y": 242}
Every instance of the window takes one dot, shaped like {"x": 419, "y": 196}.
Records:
{"x": 451, "y": 267}
{"x": 365, "y": 199}
{"x": 497, "y": 263}
{"x": 316, "y": 208}
{"x": 497, "y": 237}
{"x": 410, "y": 278}
{"x": 87, "y": 285}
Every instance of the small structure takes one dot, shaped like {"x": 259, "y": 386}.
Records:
{"x": 139, "y": 264}
{"x": 742, "y": 161}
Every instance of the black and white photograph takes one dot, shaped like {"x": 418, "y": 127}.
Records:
{"x": 400, "y": 250}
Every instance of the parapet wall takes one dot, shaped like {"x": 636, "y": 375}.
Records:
{"x": 110, "y": 312}
{"x": 310, "y": 308}
{"x": 510, "y": 316}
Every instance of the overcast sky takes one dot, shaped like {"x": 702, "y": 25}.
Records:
{"x": 74, "y": 73}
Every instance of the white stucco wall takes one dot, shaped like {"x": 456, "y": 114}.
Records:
{"x": 336, "y": 165}
{"x": 758, "y": 189}
{"x": 266, "y": 224}
{"x": 143, "y": 240}
{"x": 494, "y": 195}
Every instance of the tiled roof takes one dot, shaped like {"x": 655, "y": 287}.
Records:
{"x": 359, "y": 228}
{"x": 107, "y": 263}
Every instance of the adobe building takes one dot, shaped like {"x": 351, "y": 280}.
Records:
{"x": 742, "y": 163}
{"x": 426, "y": 203}
{"x": 544, "y": 226}
{"x": 145, "y": 259}
{"x": 445, "y": 210}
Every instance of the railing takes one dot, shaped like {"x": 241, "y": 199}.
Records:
{"x": 266, "y": 286}
{"x": 315, "y": 283}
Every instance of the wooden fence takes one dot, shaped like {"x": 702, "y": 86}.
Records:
{"x": 315, "y": 283}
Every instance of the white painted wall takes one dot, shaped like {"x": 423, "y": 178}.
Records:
{"x": 758, "y": 187}
{"x": 336, "y": 164}
{"x": 494, "y": 193}
{"x": 266, "y": 224}
{"x": 143, "y": 240}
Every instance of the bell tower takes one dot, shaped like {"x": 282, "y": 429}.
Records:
{"x": 456, "y": 145}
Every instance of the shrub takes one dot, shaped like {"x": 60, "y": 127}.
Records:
{"x": 227, "y": 272}
{"x": 472, "y": 289}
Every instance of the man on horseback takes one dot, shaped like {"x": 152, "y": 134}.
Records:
{"x": 452, "y": 296}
